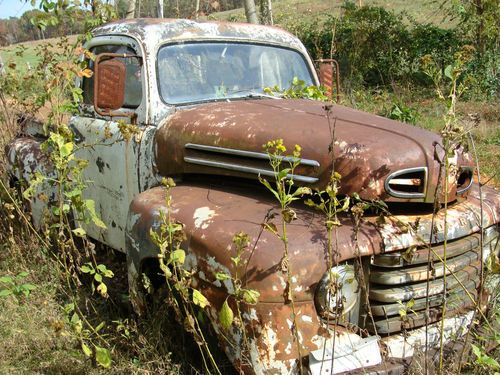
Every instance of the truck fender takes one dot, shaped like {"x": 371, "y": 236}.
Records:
{"x": 24, "y": 159}
{"x": 211, "y": 217}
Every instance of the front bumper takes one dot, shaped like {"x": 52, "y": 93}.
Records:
{"x": 354, "y": 353}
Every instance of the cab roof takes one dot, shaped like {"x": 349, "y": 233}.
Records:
{"x": 154, "y": 31}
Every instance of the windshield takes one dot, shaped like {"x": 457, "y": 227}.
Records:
{"x": 209, "y": 71}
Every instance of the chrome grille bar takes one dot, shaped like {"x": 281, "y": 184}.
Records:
{"x": 245, "y": 169}
{"x": 249, "y": 154}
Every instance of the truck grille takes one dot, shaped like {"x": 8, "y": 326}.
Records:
{"x": 400, "y": 277}
{"x": 246, "y": 162}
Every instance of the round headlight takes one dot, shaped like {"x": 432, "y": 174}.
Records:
{"x": 337, "y": 293}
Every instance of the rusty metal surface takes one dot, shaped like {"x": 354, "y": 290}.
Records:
{"x": 406, "y": 292}
{"x": 212, "y": 215}
{"x": 325, "y": 74}
{"x": 109, "y": 80}
{"x": 420, "y": 273}
{"x": 421, "y": 256}
{"x": 463, "y": 218}
{"x": 118, "y": 169}
{"x": 25, "y": 158}
{"x": 367, "y": 148}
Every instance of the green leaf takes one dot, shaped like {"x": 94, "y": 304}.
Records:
{"x": 28, "y": 286}
{"x": 178, "y": 256}
{"x": 66, "y": 149}
{"x": 103, "y": 357}
{"x": 75, "y": 318}
{"x": 476, "y": 350}
{"x": 86, "y": 269}
{"x": 104, "y": 271}
{"x": 98, "y": 277}
{"x": 99, "y": 327}
{"x": 264, "y": 182}
{"x": 102, "y": 267}
{"x": 226, "y": 315}
{"x": 283, "y": 173}
{"x": 302, "y": 191}
{"x": 5, "y": 292}
{"x": 490, "y": 362}
{"x": 22, "y": 275}
{"x": 222, "y": 276}
{"x": 102, "y": 289}
{"x": 199, "y": 299}
{"x": 109, "y": 274}
{"x": 90, "y": 206}
{"x": 79, "y": 232}
{"x": 69, "y": 308}
{"x": 448, "y": 71}
{"x": 6, "y": 280}
{"x": 86, "y": 350}
{"x": 345, "y": 206}
{"x": 250, "y": 296}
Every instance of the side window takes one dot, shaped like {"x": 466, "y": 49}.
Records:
{"x": 133, "y": 81}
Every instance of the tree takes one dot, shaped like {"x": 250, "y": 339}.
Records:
{"x": 479, "y": 20}
{"x": 197, "y": 9}
{"x": 131, "y": 9}
{"x": 250, "y": 12}
{"x": 266, "y": 12}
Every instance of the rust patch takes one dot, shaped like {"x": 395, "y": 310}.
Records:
{"x": 367, "y": 148}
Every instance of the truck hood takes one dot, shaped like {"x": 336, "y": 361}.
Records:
{"x": 377, "y": 158}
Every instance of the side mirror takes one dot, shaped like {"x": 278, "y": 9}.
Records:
{"x": 325, "y": 73}
{"x": 109, "y": 85}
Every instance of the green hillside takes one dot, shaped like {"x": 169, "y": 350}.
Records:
{"x": 420, "y": 10}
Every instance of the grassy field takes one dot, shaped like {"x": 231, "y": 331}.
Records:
{"x": 425, "y": 11}
{"x": 25, "y": 54}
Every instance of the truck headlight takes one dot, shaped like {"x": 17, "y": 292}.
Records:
{"x": 336, "y": 293}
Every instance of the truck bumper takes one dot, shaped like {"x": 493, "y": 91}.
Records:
{"x": 354, "y": 355}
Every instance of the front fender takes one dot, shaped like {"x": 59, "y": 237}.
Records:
{"x": 211, "y": 217}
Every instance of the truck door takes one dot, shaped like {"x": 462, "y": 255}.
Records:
{"x": 112, "y": 147}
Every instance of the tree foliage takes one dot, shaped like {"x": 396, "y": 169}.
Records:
{"x": 376, "y": 47}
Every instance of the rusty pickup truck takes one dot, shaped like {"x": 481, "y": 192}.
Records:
{"x": 194, "y": 92}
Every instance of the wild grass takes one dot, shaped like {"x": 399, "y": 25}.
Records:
{"x": 35, "y": 334}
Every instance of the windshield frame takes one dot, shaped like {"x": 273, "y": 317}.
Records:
{"x": 304, "y": 56}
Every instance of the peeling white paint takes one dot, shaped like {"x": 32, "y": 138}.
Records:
{"x": 251, "y": 315}
{"x": 400, "y": 346}
{"x": 203, "y": 217}
{"x": 306, "y": 318}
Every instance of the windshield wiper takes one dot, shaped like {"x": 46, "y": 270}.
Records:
{"x": 253, "y": 94}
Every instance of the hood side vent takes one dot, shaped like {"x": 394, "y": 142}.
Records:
{"x": 407, "y": 183}
{"x": 243, "y": 161}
